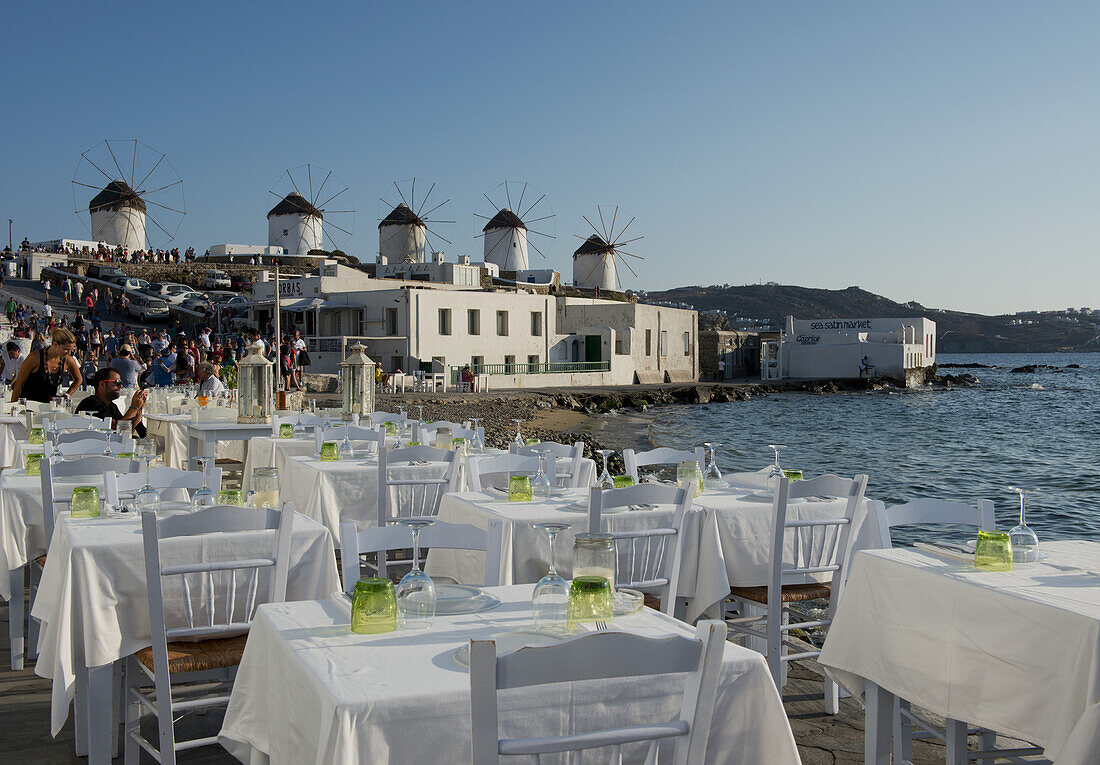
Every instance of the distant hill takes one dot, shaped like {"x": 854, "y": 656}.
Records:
{"x": 957, "y": 332}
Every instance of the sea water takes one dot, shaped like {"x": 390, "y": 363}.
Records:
{"x": 961, "y": 444}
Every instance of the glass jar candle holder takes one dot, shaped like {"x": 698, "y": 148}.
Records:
{"x": 689, "y": 471}
{"x": 519, "y": 488}
{"x": 590, "y": 601}
{"x": 373, "y": 606}
{"x": 85, "y": 502}
{"x": 993, "y": 551}
{"x": 265, "y": 481}
{"x": 443, "y": 438}
{"x": 594, "y": 555}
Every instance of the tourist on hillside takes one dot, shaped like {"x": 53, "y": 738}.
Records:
{"x": 286, "y": 367}
{"x": 207, "y": 376}
{"x": 9, "y": 309}
{"x": 40, "y": 373}
{"x": 10, "y": 361}
{"x": 162, "y": 369}
{"x": 127, "y": 367}
{"x": 67, "y": 290}
{"x": 144, "y": 344}
{"x": 46, "y": 289}
{"x": 184, "y": 368}
{"x": 78, "y": 289}
{"x": 106, "y": 386}
{"x": 110, "y": 344}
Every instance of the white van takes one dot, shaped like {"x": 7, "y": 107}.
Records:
{"x": 214, "y": 280}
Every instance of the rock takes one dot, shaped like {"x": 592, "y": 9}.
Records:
{"x": 321, "y": 383}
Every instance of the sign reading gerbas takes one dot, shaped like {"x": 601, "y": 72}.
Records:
{"x": 290, "y": 287}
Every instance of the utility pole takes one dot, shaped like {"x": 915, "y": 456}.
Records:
{"x": 9, "y": 236}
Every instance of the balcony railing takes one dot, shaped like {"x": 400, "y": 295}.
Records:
{"x": 544, "y": 368}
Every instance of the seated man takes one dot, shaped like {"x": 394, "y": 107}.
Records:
{"x": 209, "y": 384}
{"x": 467, "y": 378}
{"x": 106, "y": 385}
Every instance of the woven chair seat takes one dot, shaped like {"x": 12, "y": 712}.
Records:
{"x": 792, "y": 593}
{"x": 218, "y": 653}
{"x": 40, "y": 561}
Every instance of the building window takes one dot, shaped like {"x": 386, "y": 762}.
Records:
{"x": 396, "y": 363}
{"x": 502, "y": 323}
{"x": 663, "y": 350}
{"x": 534, "y": 359}
{"x": 439, "y": 363}
{"x": 337, "y": 323}
{"x": 687, "y": 343}
{"x": 649, "y": 342}
{"x": 473, "y": 321}
{"x": 391, "y": 321}
{"x": 477, "y": 361}
{"x": 444, "y": 321}
{"x": 510, "y": 363}
{"x": 536, "y": 324}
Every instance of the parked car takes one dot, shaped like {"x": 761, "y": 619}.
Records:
{"x": 164, "y": 289}
{"x": 216, "y": 279}
{"x": 105, "y": 273}
{"x": 146, "y": 308}
{"x": 133, "y": 284}
{"x": 218, "y": 296}
{"x": 237, "y": 305}
{"x": 195, "y": 301}
{"x": 177, "y": 298}
{"x": 240, "y": 283}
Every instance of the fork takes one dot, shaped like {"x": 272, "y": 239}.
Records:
{"x": 601, "y": 626}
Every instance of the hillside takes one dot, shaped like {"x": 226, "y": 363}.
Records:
{"x": 957, "y": 332}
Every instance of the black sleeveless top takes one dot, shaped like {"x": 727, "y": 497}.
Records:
{"x": 41, "y": 386}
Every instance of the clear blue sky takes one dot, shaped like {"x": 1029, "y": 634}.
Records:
{"x": 940, "y": 152}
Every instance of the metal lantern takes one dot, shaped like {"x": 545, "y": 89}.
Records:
{"x": 255, "y": 387}
{"x": 357, "y": 383}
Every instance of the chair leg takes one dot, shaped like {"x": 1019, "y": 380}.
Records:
{"x": 987, "y": 739}
{"x": 903, "y": 733}
{"x": 16, "y": 606}
{"x": 165, "y": 726}
{"x": 31, "y": 649}
{"x": 132, "y": 718}
{"x": 832, "y": 696}
{"x": 775, "y": 646}
{"x": 956, "y": 742}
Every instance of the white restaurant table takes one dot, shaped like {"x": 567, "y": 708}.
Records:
{"x": 184, "y": 440}
{"x": 1016, "y": 652}
{"x": 12, "y": 430}
{"x": 587, "y": 468}
{"x": 271, "y": 451}
{"x": 94, "y": 608}
{"x": 343, "y": 698}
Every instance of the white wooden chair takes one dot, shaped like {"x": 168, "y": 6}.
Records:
{"x": 820, "y": 546}
{"x": 482, "y": 468}
{"x": 647, "y": 559}
{"x": 69, "y": 436}
{"x": 568, "y": 457}
{"x": 81, "y": 423}
{"x": 662, "y": 455}
{"x": 211, "y": 644}
{"x": 308, "y": 421}
{"x": 116, "y": 486}
{"x": 447, "y": 536}
{"x": 933, "y": 512}
{"x": 600, "y": 655}
{"x": 379, "y": 418}
{"x": 418, "y": 496}
{"x": 357, "y": 434}
{"x": 89, "y": 446}
{"x": 427, "y": 431}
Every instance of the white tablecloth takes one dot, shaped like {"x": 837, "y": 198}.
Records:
{"x": 1017, "y": 652}
{"x": 12, "y": 430}
{"x": 269, "y": 451}
{"x": 587, "y": 467}
{"x": 525, "y": 550}
{"x": 95, "y": 572}
{"x": 170, "y": 428}
{"x": 342, "y": 698}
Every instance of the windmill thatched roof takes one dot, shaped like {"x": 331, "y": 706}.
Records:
{"x": 594, "y": 243}
{"x": 401, "y": 216}
{"x": 294, "y": 204}
{"x": 505, "y": 218}
{"x": 115, "y": 196}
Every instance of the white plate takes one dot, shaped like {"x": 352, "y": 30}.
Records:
{"x": 582, "y": 507}
{"x": 507, "y": 642}
{"x": 462, "y": 599}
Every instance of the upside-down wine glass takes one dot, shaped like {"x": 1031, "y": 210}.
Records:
{"x": 204, "y": 495}
{"x": 605, "y": 481}
{"x": 518, "y": 440}
{"x": 299, "y": 430}
{"x": 416, "y": 597}
{"x": 541, "y": 485}
{"x": 147, "y": 497}
{"x": 550, "y": 600}
{"x": 346, "y": 451}
{"x": 1025, "y": 544}
{"x": 712, "y": 477}
{"x": 477, "y": 443}
{"x": 776, "y": 471}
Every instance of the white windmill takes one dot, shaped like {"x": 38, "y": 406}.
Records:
{"x": 404, "y": 235}
{"x": 507, "y": 232}
{"x": 301, "y": 222}
{"x": 595, "y": 262}
{"x": 151, "y": 191}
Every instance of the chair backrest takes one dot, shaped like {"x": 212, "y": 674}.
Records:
{"x": 662, "y": 455}
{"x": 646, "y": 558}
{"x": 568, "y": 457}
{"x": 819, "y": 544}
{"x": 593, "y": 656}
{"x": 89, "y": 445}
{"x": 483, "y": 466}
{"x": 117, "y": 486}
{"x": 416, "y": 495}
{"x": 426, "y": 434}
{"x": 447, "y": 536}
{"x": 53, "y": 469}
{"x": 226, "y": 589}
{"x": 82, "y": 423}
{"x": 69, "y": 436}
{"x": 373, "y": 436}
{"x": 378, "y": 418}
{"x": 307, "y": 419}
{"x": 933, "y": 511}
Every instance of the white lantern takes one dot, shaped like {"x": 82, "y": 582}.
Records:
{"x": 357, "y": 383}
{"x": 255, "y": 387}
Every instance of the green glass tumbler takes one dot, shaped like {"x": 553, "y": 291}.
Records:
{"x": 623, "y": 481}
{"x": 993, "y": 552}
{"x": 531, "y": 441}
{"x": 36, "y": 435}
{"x": 589, "y": 601}
{"x": 519, "y": 488}
{"x": 458, "y": 443}
{"x": 328, "y": 452}
{"x": 230, "y": 497}
{"x": 85, "y": 502}
{"x": 34, "y": 464}
{"x": 127, "y": 455}
{"x": 373, "y": 606}
{"x": 793, "y": 475}
{"x": 286, "y": 430}
{"x": 391, "y": 428}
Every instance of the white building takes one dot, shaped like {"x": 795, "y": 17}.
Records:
{"x": 295, "y": 225}
{"x": 519, "y": 337}
{"x": 506, "y": 241}
{"x": 118, "y": 216}
{"x": 833, "y": 349}
{"x": 402, "y": 237}
{"x": 594, "y": 265}
{"x": 230, "y": 250}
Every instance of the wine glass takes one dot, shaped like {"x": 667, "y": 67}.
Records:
{"x": 477, "y": 443}
{"x": 416, "y": 591}
{"x": 1025, "y": 545}
{"x": 776, "y": 471}
{"x": 712, "y": 477}
{"x": 203, "y": 496}
{"x": 518, "y": 440}
{"x": 605, "y": 481}
{"x": 299, "y": 430}
{"x": 346, "y": 451}
{"x": 147, "y": 497}
{"x": 541, "y": 486}
{"x": 551, "y": 596}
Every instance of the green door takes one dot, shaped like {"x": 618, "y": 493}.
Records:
{"x": 592, "y": 347}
